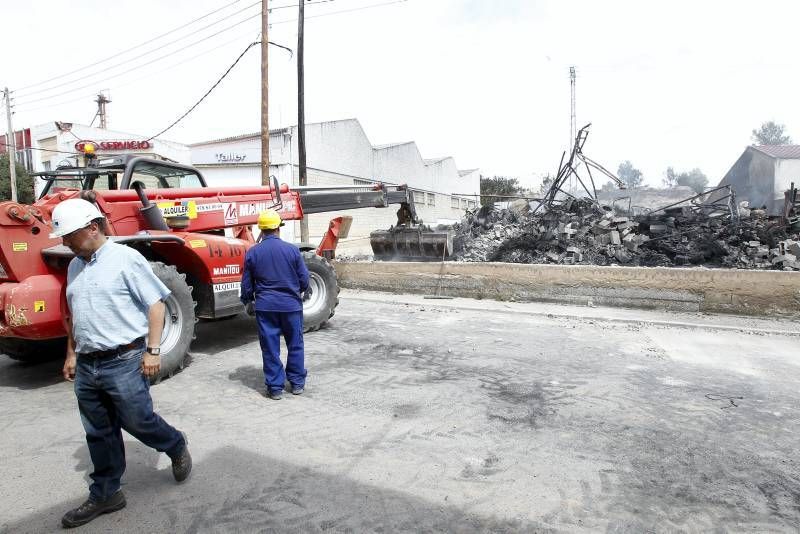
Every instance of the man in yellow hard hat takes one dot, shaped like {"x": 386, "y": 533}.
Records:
{"x": 275, "y": 278}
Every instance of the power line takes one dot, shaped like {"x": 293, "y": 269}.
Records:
{"x": 362, "y": 8}
{"x": 138, "y": 79}
{"x": 195, "y": 43}
{"x": 143, "y": 54}
{"x": 39, "y": 149}
{"x": 131, "y": 48}
{"x": 251, "y": 45}
{"x": 160, "y": 47}
{"x": 147, "y": 63}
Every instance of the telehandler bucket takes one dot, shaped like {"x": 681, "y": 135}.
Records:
{"x": 415, "y": 243}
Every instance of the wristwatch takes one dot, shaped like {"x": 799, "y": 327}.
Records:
{"x": 155, "y": 351}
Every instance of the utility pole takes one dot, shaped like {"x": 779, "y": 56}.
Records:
{"x": 11, "y": 147}
{"x": 301, "y": 116}
{"x": 264, "y": 92}
{"x": 101, "y": 109}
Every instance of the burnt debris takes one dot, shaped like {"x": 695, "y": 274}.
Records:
{"x": 582, "y": 231}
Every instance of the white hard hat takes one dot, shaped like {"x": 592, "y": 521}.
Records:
{"x": 73, "y": 214}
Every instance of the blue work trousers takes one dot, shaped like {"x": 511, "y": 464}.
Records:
{"x": 271, "y": 326}
{"x": 113, "y": 394}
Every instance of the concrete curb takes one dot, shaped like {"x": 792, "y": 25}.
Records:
{"x": 552, "y": 313}
{"x": 730, "y": 291}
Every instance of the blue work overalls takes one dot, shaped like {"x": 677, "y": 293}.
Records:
{"x": 275, "y": 276}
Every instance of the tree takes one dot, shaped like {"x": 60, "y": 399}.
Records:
{"x": 670, "y": 178}
{"x": 695, "y": 179}
{"x": 630, "y": 174}
{"x": 771, "y": 133}
{"x": 498, "y": 186}
{"x": 25, "y": 193}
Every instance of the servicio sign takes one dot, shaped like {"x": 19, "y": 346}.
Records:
{"x": 125, "y": 144}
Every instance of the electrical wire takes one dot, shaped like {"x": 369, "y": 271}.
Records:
{"x": 143, "y": 54}
{"x": 362, "y": 8}
{"x": 40, "y": 149}
{"x": 169, "y": 54}
{"x": 205, "y": 39}
{"x": 251, "y": 45}
{"x": 160, "y": 47}
{"x": 131, "y": 48}
{"x": 140, "y": 78}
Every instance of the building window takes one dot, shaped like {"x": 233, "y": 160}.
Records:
{"x": 463, "y": 203}
{"x": 47, "y": 166}
{"x": 454, "y": 202}
{"x": 431, "y": 199}
{"x": 356, "y": 181}
{"x": 419, "y": 197}
{"x": 472, "y": 204}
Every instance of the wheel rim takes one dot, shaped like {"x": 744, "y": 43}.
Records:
{"x": 173, "y": 325}
{"x": 319, "y": 294}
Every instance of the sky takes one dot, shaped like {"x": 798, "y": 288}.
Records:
{"x": 678, "y": 83}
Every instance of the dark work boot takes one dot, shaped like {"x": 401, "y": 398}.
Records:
{"x": 182, "y": 464}
{"x": 91, "y": 509}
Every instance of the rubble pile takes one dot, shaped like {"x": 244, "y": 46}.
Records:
{"x": 581, "y": 231}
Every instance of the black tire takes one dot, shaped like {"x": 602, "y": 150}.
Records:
{"x": 179, "y": 320}
{"x": 321, "y": 306}
{"x": 33, "y": 350}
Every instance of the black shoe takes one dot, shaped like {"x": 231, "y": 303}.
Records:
{"x": 91, "y": 509}
{"x": 182, "y": 464}
{"x": 274, "y": 395}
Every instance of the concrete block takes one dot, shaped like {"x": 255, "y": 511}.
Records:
{"x": 658, "y": 228}
{"x": 794, "y": 248}
{"x": 615, "y": 238}
{"x": 783, "y": 259}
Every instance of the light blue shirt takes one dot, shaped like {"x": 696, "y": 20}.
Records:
{"x": 109, "y": 297}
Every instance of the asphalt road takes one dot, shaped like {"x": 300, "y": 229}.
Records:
{"x": 445, "y": 416}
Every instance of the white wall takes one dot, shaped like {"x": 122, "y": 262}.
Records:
{"x": 786, "y": 172}
{"x": 339, "y": 153}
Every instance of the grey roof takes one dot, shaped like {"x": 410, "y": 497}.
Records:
{"x": 239, "y": 137}
{"x": 434, "y": 161}
{"x": 390, "y": 145}
{"x": 466, "y": 172}
{"x": 780, "y": 151}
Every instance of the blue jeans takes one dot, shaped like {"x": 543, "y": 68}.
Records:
{"x": 113, "y": 394}
{"x": 271, "y": 326}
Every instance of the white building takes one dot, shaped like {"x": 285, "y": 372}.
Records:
{"x": 46, "y": 146}
{"x": 339, "y": 153}
{"x": 762, "y": 174}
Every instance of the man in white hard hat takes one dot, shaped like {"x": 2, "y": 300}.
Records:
{"x": 114, "y": 334}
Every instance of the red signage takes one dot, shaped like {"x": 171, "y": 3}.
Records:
{"x": 115, "y": 145}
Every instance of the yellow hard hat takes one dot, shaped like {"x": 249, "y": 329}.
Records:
{"x": 269, "y": 220}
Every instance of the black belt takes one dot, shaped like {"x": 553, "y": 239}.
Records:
{"x": 136, "y": 343}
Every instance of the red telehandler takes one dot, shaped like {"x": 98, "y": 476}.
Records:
{"x": 195, "y": 238}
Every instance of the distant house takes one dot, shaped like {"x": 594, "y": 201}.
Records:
{"x": 762, "y": 174}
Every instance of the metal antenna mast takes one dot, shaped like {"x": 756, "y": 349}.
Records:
{"x": 573, "y": 127}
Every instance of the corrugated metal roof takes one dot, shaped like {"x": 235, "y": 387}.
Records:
{"x": 239, "y": 137}
{"x": 390, "y": 145}
{"x": 466, "y": 172}
{"x": 780, "y": 151}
